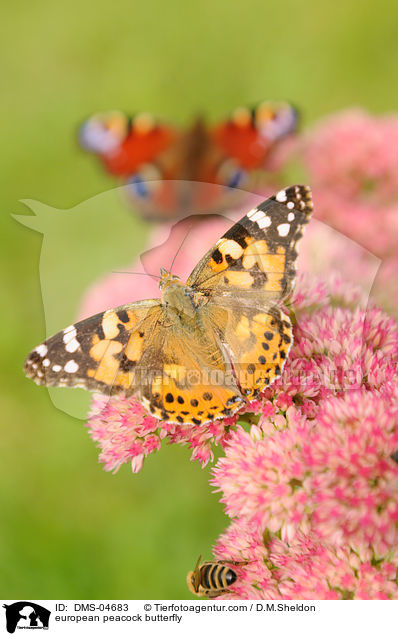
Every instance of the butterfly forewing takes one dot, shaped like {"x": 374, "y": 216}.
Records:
{"x": 258, "y": 254}
{"x": 99, "y": 353}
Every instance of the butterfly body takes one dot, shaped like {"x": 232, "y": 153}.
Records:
{"x": 205, "y": 347}
{"x": 179, "y": 300}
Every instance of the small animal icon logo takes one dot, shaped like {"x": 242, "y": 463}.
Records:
{"x": 26, "y": 615}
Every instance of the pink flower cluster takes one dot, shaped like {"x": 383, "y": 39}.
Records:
{"x": 126, "y": 433}
{"x": 302, "y": 568}
{"x": 332, "y": 473}
{"x": 352, "y": 164}
{"x": 312, "y": 487}
{"x": 355, "y": 155}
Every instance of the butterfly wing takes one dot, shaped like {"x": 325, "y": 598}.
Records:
{"x": 249, "y": 135}
{"x": 99, "y": 353}
{"x": 257, "y": 339}
{"x": 257, "y": 255}
{"x": 247, "y": 276}
{"x": 178, "y": 375}
{"x": 192, "y": 382}
{"x": 127, "y": 146}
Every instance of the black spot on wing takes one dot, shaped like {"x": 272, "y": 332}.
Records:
{"x": 239, "y": 232}
{"x": 126, "y": 364}
{"x": 217, "y": 256}
{"x": 123, "y": 315}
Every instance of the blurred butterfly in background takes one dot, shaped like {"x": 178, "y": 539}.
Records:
{"x": 171, "y": 172}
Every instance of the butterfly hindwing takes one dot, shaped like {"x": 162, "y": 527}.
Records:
{"x": 258, "y": 340}
{"x": 192, "y": 381}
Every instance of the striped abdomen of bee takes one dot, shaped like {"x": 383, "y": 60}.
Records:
{"x": 212, "y": 578}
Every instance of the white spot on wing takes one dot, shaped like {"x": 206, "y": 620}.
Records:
{"x": 71, "y": 367}
{"x": 258, "y": 215}
{"x": 290, "y": 216}
{"x": 69, "y": 334}
{"x": 41, "y": 350}
{"x": 290, "y": 205}
{"x": 46, "y": 362}
{"x": 281, "y": 196}
{"x": 57, "y": 367}
{"x": 264, "y": 222}
{"x": 283, "y": 229}
{"x": 72, "y": 345}
{"x": 253, "y": 211}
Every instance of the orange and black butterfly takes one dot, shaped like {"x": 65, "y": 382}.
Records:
{"x": 169, "y": 171}
{"x": 207, "y": 347}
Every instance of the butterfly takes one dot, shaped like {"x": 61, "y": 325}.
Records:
{"x": 208, "y": 346}
{"x": 169, "y": 170}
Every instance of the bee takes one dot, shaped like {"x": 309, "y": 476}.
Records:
{"x": 212, "y": 578}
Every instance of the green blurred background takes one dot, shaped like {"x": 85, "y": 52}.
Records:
{"x": 70, "y": 530}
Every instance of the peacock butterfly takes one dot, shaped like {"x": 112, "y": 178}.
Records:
{"x": 170, "y": 172}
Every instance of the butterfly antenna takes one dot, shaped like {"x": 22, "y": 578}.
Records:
{"x": 177, "y": 252}
{"x": 136, "y": 273}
